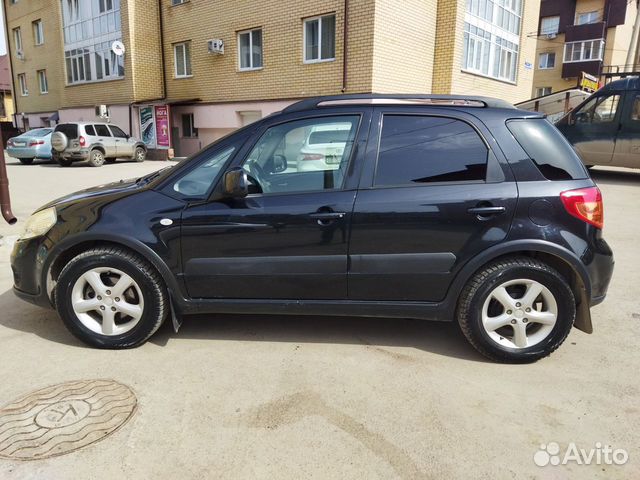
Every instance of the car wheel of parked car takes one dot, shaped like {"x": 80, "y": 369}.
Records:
{"x": 111, "y": 298}
{"x": 140, "y": 154}
{"x": 26, "y": 161}
{"x": 96, "y": 158}
{"x": 516, "y": 310}
{"x": 63, "y": 162}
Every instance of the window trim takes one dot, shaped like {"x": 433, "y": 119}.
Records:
{"x": 250, "y": 32}
{"x": 557, "y": 30}
{"x": 17, "y": 40}
{"x": 547, "y": 67}
{"x": 175, "y": 3}
{"x": 38, "y": 30}
{"x": 582, "y": 42}
{"x": 493, "y": 172}
{"x": 22, "y": 81}
{"x": 175, "y": 58}
{"x": 43, "y": 74}
{"x": 591, "y": 13}
{"x": 304, "y": 38}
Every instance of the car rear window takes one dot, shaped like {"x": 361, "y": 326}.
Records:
{"x": 90, "y": 130}
{"x": 69, "y": 129}
{"x": 550, "y": 151}
{"x": 329, "y": 136}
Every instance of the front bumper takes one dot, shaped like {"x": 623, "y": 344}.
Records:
{"x": 27, "y": 264}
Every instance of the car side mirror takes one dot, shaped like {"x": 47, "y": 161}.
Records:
{"x": 279, "y": 163}
{"x": 235, "y": 183}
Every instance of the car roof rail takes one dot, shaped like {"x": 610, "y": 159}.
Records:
{"x": 397, "y": 99}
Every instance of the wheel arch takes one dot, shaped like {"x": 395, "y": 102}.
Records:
{"x": 561, "y": 259}
{"x": 97, "y": 147}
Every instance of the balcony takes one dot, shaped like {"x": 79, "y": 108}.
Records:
{"x": 588, "y": 31}
{"x": 583, "y": 50}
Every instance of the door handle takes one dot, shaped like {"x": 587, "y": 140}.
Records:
{"x": 486, "y": 211}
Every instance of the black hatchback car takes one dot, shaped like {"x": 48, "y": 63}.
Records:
{"x": 428, "y": 207}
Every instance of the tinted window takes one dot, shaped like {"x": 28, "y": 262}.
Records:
{"x": 198, "y": 182}
{"x": 90, "y": 130}
{"x": 40, "y": 132}
{"x": 102, "y": 131}
{"x": 69, "y": 129}
{"x": 421, "y": 149}
{"x": 548, "y": 149}
{"x": 117, "y": 132}
{"x": 287, "y": 159}
{"x": 600, "y": 109}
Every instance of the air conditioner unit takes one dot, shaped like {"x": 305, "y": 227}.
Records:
{"x": 215, "y": 46}
{"x": 551, "y": 36}
{"x": 102, "y": 111}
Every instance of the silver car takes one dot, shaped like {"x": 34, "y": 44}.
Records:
{"x": 31, "y": 145}
{"x": 96, "y": 142}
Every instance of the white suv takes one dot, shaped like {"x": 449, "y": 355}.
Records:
{"x": 96, "y": 142}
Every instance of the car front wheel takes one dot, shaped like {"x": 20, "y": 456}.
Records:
{"x": 516, "y": 310}
{"x": 111, "y": 298}
{"x": 140, "y": 154}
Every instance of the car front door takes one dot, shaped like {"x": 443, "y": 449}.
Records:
{"x": 288, "y": 238}
{"x": 627, "y": 150}
{"x": 105, "y": 139}
{"x": 593, "y": 127}
{"x": 124, "y": 146}
{"x": 433, "y": 195}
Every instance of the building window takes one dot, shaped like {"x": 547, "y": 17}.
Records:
{"x": 546, "y": 61}
{"x": 188, "y": 128}
{"x": 320, "y": 39}
{"x": 42, "y": 81}
{"x": 22, "y": 81}
{"x": 182, "y": 59}
{"x": 587, "y": 17}
{"x": 17, "y": 40}
{"x": 583, "y": 51}
{"x": 542, "y": 91}
{"x": 492, "y": 38}
{"x": 178, "y": 2}
{"x": 105, "y": 5}
{"x": 38, "y": 32}
{"x": 250, "y": 49}
{"x": 549, "y": 25}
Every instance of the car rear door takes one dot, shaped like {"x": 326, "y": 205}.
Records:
{"x": 104, "y": 137}
{"x": 627, "y": 149}
{"x": 434, "y": 193}
{"x": 288, "y": 238}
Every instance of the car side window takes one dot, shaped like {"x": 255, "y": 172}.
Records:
{"x": 635, "y": 109}
{"x": 117, "y": 132}
{"x": 302, "y": 155}
{"x": 416, "y": 150}
{"x": 90, "y": 130}
{"x": 601, "y": 109}
{"x": 102, "y": 131}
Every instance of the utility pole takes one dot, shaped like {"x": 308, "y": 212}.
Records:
{"x": 632, "y": 55}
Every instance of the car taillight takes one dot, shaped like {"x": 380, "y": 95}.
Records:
{"x": 83, "y": 141}
{"x": 312, "y": 156}
{"x": 585, "y": 204}
{"x": 33, "y": 143}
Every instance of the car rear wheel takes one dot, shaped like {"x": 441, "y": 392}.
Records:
{"x": 111, "y": 298}
{"x": 516, "y": 310}
{"x": 140, "y": 154}
{"x": 63, "y": 162}
{"x": 26, "y": 161}
{"x": 96, "y": 158}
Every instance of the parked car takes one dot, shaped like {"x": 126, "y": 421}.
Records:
{"x": 443, "y": 208}
{"x": 31, "y": 145}
{"x": 323, "y": 148}
{"x": 94, "y": 142}
{"x": 605, "y": 128}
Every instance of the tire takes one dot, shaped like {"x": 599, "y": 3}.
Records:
{"x": 140, "y": 154}
{"x": 146, "y": 298}
{"x": 96, "y": 158}
{"x": 26, "y": 161}
{"x": 63, "y": 162}
{"x": 497, "y": 331}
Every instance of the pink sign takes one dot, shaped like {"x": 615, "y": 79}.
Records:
{"x": 162, "y": 126}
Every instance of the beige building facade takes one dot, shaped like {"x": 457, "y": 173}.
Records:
{"x": 182, "y": 73}
{"x": 575, "y": 36}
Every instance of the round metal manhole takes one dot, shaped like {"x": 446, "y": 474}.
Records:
{"x": 62, "y": 418}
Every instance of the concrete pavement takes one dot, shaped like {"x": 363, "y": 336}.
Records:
{"x": 311, "y": 397}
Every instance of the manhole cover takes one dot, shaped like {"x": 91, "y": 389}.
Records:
{"x": 63, "y": 418}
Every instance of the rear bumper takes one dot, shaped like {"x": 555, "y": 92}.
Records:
{"x": 600, "y": 264}
{"x": 28, "y": 152}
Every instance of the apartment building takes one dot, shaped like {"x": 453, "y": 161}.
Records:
{"x": 6, "y": 98}
{"x": 182, "y": 73}
{"x": 576, "y": 36}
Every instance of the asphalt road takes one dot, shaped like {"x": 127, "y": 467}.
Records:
{"x": 310, "y": 397}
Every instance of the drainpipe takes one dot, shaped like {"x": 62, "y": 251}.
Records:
{"x": 345, "y": 41}
{"x": 5, "y": 200}
{"x": 162, "y": 60}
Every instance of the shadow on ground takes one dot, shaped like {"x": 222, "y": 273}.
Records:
{"x": 434, "y": 337}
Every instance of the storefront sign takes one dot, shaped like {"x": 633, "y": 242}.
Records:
{"x": 147, "y": 127}
{"x": 588, "y": 82}
{"x": 162, "y": 126}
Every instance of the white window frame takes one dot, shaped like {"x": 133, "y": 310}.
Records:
{"x": 547, "y": 31}
{"x": 184, "y": 58}
{"x": 502, "y": 59}
{"x": 42, "y": 81}
{"x": 546, "y": 62}
{"x": 178, "y": 2}
{"x": 38, "y": 32}
{"x": 17, "y": 40}
{"x": 597, "y": 41}
{"x": 540, "y": 91}
{"x": 22, "y": 81}
{"x": 304, "y": 39}
{"x": 251, "y": 67}
{"x": 592, "y": 17}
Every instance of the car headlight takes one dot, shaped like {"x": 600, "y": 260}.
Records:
{"x": 39, "y": 223}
